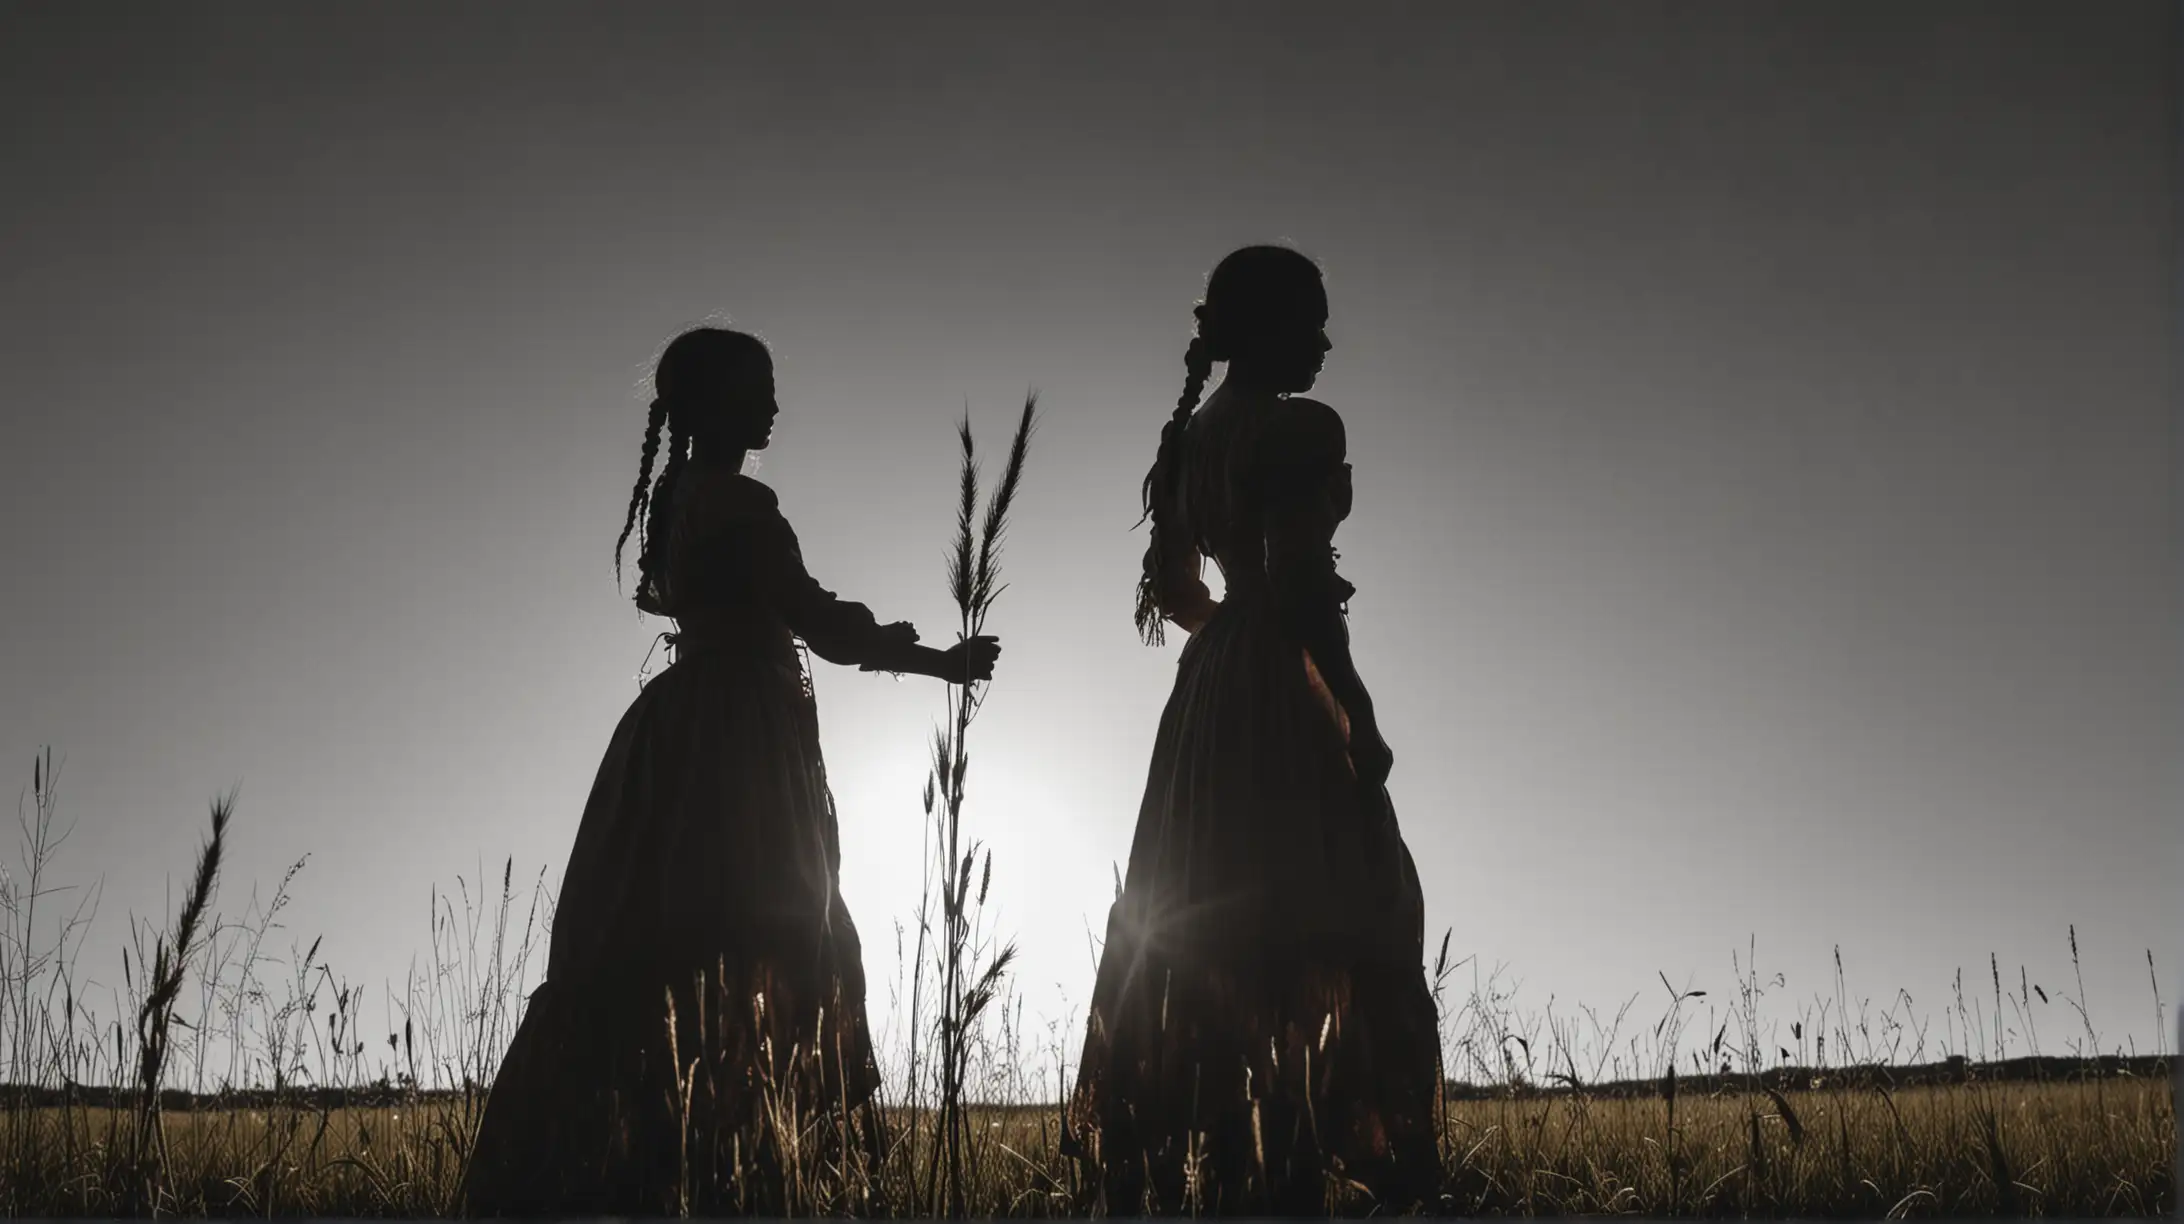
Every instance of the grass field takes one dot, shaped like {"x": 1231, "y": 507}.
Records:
{"x": 2063, "y": 1148}
{"x": 273, "y": 1099}
{"x": 225, "y": 1077}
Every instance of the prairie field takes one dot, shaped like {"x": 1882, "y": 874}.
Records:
{"x": 223, "y": 1076}
{"x": 2087, "y": 1147}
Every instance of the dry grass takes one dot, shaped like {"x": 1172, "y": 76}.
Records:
{"x": 2064, "y": 1149}
{"x": 293, "y": 1112}
{"x": 958, "y": 960}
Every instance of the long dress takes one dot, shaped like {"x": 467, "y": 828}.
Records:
{"x": 702, "y": 970}
{"x": 1260, "y": 1028}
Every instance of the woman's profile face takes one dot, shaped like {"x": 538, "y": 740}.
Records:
{"x": 751, "y": 406}
{"x": 1293, "y": 351}
{"x": 1312, "y": 353}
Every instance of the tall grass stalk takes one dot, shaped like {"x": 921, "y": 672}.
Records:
{"x": 969, "y": 965}
{"x": 32, "y": 970}
{"x": 155, "y": 1019}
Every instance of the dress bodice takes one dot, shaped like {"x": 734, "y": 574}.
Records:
{"x": 734, "y": 575}
{"x": 1265, "y": 485}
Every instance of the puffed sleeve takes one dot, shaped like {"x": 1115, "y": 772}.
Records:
{"x": 1304, "y": 494}
{"x": 836, "y": 629}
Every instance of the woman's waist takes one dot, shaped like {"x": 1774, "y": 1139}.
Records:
{"x": 1251, "y": 581}
{"x": 1251, "y": 591}
{"x": 754, "y": 637}
{"x": 1243, "y": 574}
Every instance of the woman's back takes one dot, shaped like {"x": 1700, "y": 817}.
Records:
{"x": 1263, "y": 470}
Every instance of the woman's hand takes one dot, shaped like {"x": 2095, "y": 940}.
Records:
{"x": 970, "y": 660}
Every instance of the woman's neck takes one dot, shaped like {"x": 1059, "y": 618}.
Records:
{"x": 1246, "y": 382}
{"x": 1255, "y": 379}
{"x": 721, "y": 457}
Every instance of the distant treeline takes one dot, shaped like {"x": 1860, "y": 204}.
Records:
{"x": 1781, "y": 1079}
{"x": 100, "y": 1096}
{"x": 1956, "y": 1070}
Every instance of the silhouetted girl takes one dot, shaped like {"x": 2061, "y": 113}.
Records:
{"x": 706, "y": 864}
{"x": 1261, "y": 1000}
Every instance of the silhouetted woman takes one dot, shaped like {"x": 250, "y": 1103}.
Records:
{"x": 706, "y": 864}
{"x": 1261, "y": 1007}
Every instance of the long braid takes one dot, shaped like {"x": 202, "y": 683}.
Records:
{"x": 643, "y": 492}
{"x": 1164, "y": 503}
{"x": 659, "y": 520}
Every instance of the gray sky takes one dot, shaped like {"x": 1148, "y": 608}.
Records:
{"x": 1762, "y": 419}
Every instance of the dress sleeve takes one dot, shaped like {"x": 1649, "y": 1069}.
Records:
{"x": 1304, "y": 494}
{"x": 836, "y": 629}
{"x": 1182, "y": 592}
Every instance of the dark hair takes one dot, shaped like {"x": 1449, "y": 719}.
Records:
{"x": 1253, "y": 291}
{"x": 693, "y": 376}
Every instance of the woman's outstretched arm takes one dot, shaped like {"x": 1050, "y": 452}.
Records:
{"x": 969, "y": 661}
{"x": 845, "y": 632}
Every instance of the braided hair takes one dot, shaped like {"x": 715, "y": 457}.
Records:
{"x": 1164, "y": 503}
{"x": 652, "y": 542}
{"x": 691, "y": 378}
{"x": 642, "y": 493}
{"x": 1252, "y": 296}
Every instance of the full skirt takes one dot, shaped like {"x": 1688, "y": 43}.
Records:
{"x": 704, "y": 988}
{"x": 1261, "y": 1032}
